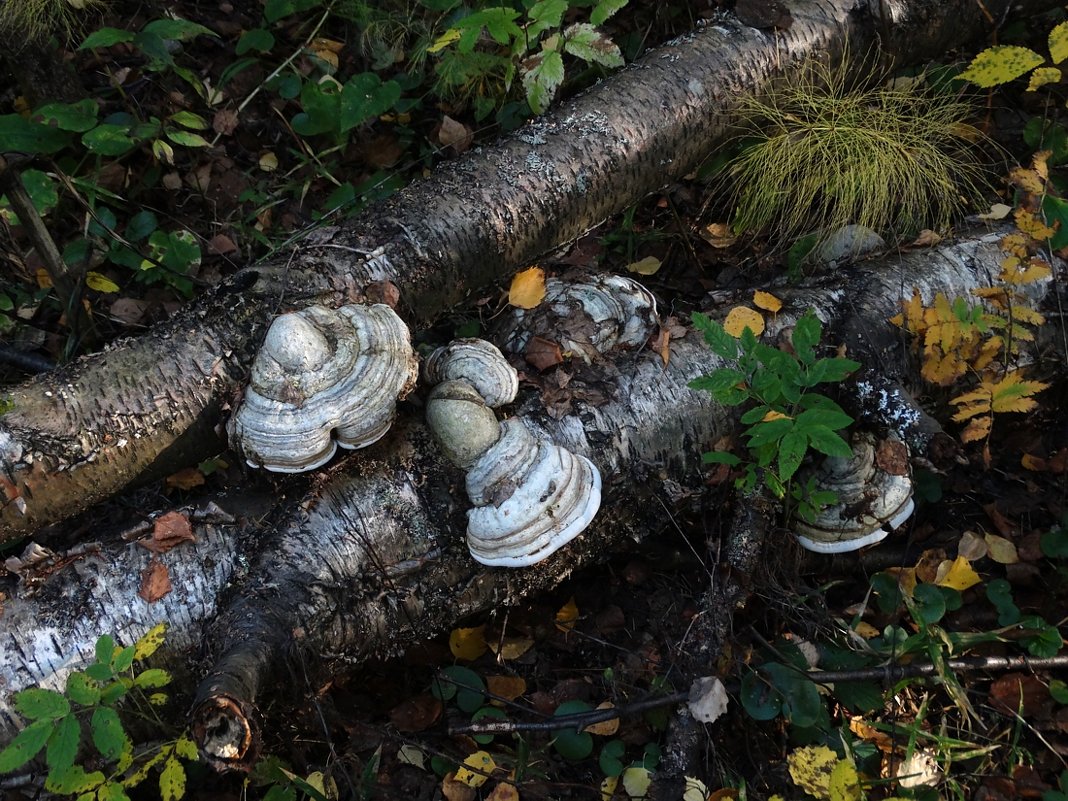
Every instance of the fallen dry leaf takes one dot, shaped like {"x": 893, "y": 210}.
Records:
{"x": 456, "y": 791}
{"x": 504, "y": 791}
{"x": 892, "y": 457}
{"x": 185, "y": 479}
{"x": 647, "y": 266}
{"x": 528, "y": 288}
{"x": 129, "y": 311}
{"x": 507, "y": 687}
{"x": 468, "y": 643}
{"x": 455, "y": 134}
{"x": 225, "y": 121}
{"x": 718, "y": 235}
{"x": 927, "y": 238}
{"x": 766, "y": 301}
{"x": 416, "y": 714}
{"x": 168, "y": 531}
{"x": 543, "y": 353}
{"x": 221, "y": 244}
{"x": 604, "y": 728}
{"x": 741, "y": 317}
{"x": 567, "y": 615}
{"x": 971, "y": 546}
{"x": 155, "y": 582}
{"x": 1001, "y": 523}
{"x": 1020, "y": 692}
{"x": 1001, "y": 550}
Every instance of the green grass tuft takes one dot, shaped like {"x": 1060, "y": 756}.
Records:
{"x": 824, "y": 155}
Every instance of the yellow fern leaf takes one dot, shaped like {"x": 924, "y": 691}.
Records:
{"x": 1038, "y": 162}
{"x": 1016, "y": 243}
{"x": 988, "y": 352}
{"x": 977, "y": 429}
{"x": 1028, "y": 222}
{"x": 1013, "y": 394}
{"x": 1028, "y": 181}
{"x": 942, "y": 370}
{"x": 1025, "y": 314}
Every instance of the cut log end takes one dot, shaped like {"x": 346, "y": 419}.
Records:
{"x": 222, "y": 728}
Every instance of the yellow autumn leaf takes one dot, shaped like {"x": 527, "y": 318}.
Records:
{"x": 844, "y": 784}
{"x": 866, "y": 630}
{"x": 443, "y": 41}
{"x": 694, "y": 789}
{"x": 150, "y": 641}
{"x": 506, "y": 687}
{"x": 468, "y": 644}
{"x": 100, "y": 282}
{"x": 1027, "y": 315}
{"x": 636, "y": 781}
{"x": 1012, "y": 394}
{"x": 647, "y": 266}
{"x": 475, "y": 770}
{"x": 504, "y": 791}
{"x": 977, "y": 429}
{"x": 604, "y": 728}
{"x": 1032, "y": 225}
{"x": 1001, "y": 550}
{"x": 1029, "y": 181}
{"x": 1031, "y": 462}
{"x": 608, "y": 787}
{"x": 1000, "y": 64}
{"x": 1058, "y": 43}
{"x": 511, "y": 647}
{"x": 811, "y": 767}
{"x": 268, "y": 162}
{"x": 957, "y": 575}
{"x": 741, "y": 317}
{"x": 774, "y": 415}
{"x": 766, "y": 301}
{"x": 567, "y": 615}
{"x": 1043, "y": 76}
{"x": 528, "y": 288}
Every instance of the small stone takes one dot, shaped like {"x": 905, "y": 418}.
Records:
{"x": 848, "y": 242}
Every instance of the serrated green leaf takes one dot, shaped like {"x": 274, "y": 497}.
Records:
{"x": 152, "y": 679}
{"x": 832, "y": 370}
{"x": 542, "y": 75}
{"x": 176, "y": 29}
{"x": 718, "y": 381}
{"x": 25, "y": 746}
{"x": 112, "y": 791}
{"x": 63, "y": 743}
{"x": 114, "y": 691}
{"x": 722, "y": 344}
{"x": 365, "y": 97}
{"x": 172, "y": 780}
{"x": 99, "y": 672}
{"x": 38, "y": 704}
{"x": 77, "y": 117}
{"x": 827, "y": 442}
{"x": 823, "y": 418}
{"x": 186, "y": 749}
{"x": 584, "y": 41}
{"x": 756, "y": 414}
{"x": 720, "y": 457}
{"x": 605, "y": 9}
{"x": 767, "y": 432}
{"x": 106, "y": 37}
{"x": 807, "y": 332}
{"x": 792, "y": 448}
{"x": 1000, "y": 64}
{"x": 107, "y": 732}
{"x": 145, "y": 768}
{"x": 73, "y": 780}
{"x": 82, "y": 690}
{"x": 123, "y": 659}
{"x": 546, "y": 14}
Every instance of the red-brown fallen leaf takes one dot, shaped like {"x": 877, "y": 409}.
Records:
{"x": 1029, "y": 783}
{"x": 416, "y": 714}
{"x": 128, "y": 310}
{"x": 543, "y": 353}
{"x": 155, "y": 582}
{"x": 927, "y": 566}
{"x": 224, "y": 121}
{"x": 221, "y": 244}
{"x": 663, "y": 345}
{"x": 169, "y": 531}
{"x": 504, "y": 791}
{"x": 507, "y": 687}
{"x": 1020, "y": 692}
{"x": 1058, "y": 462}
{"x": 456, "y": 791}
{"x": 724, "y": 794}
{"x": 892, "y": 457}
{"x": 383, "y": 292}
{"x": 185, "y": 479}
{"x": 455, "y": 134}
{"x": 1001, "y": 523}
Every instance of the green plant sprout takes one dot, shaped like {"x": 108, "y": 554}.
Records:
{"x": 786, "y": 418}
{"x": 94, "y": 697}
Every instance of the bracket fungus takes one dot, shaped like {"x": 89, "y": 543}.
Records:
{"x": 531, "y": 497}
{"x": 595, "y": 314}
{"x": 874, "y": 494}
{"x": 323, "y": 378}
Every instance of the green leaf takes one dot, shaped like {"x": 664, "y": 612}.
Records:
{"x": 140, "y": 226}
{"x": 722, "y": 344}
{"x": 999, "y": 593}
{"x": 807, "y": 332}
{"x": 186, "y": 138}
{"x": 38, "y": 704}
{"x": 801, "y": 703}
{"x": 569, "y": 743}
{"x": 82, "y": 690}
{"x": 186, "y": 749}
{"x": 107, "y": 732}
{"x": 756, "y": 414}
{"x": 112, "y": 791}
{"x": 1058, "y": 690}
{"x": 108, "y": 139}
{"x": 25, "y": 746}
{"x": 189, "y": 120}
{"x": 605, "y": 9}
{"x": 99, "y": 672}
{"x": 77, "y": 117}
{"x": 823, "y": 418}
{"x": 545, "y": 14}
{"x": 542, "y": 75}
{"x": 792, "y": 448}
{"x": 123, "y": 659}
{"x": 760, "y": 699}
{"x": 928, "y": 604}
{"x": 172, "y": 780}
{"x": 63, "y": 743}
{"x": 827, "y": 442}
{"x": 152, "y": 678}
{"x": 1054, "y": 543}
{"x": 771, "y": 431}
{"x": 1000, "y": 64}
{"x": 321, "y": 110}
{"x": 104, "y": 649}
{"x": 718, "y": 380}
{"x": 18, "y": 134}
{"x": 831, "y": 370}
{"x": 859, "y": 696}
{"x": 1046, "y": 640}
{"x": 259, "y": 39}
{"x": 610, "y": 759}
{"x": 73, "y": 780}
{"x": 176, "y": 29}
{"x": 106, "y": 37}
{"x": 41, "y": 189}
{"x": 463, "y": 683}
{"x": 584, "y": 41}
{"x": 366, "y": 96}
{"x": 1055, "y": 210}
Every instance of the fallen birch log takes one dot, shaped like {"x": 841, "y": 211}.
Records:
{"x": 371, "y": 558}
{"x": 146, "y": 407}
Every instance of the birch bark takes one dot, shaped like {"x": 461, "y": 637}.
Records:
{"x": 148, "y": 406}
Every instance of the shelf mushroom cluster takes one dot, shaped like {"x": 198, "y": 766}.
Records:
{"x": 531, "y": 497}
{"x": 872, "y": 498}
{"x": 323, "y": 378}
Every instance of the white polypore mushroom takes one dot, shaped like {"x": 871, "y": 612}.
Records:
{"x": 531, "y": 496}
{"x": 323, "y": 378}
{"x": 871, "y": 500}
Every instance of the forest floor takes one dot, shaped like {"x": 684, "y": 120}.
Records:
{"x": 621, "y": 633}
